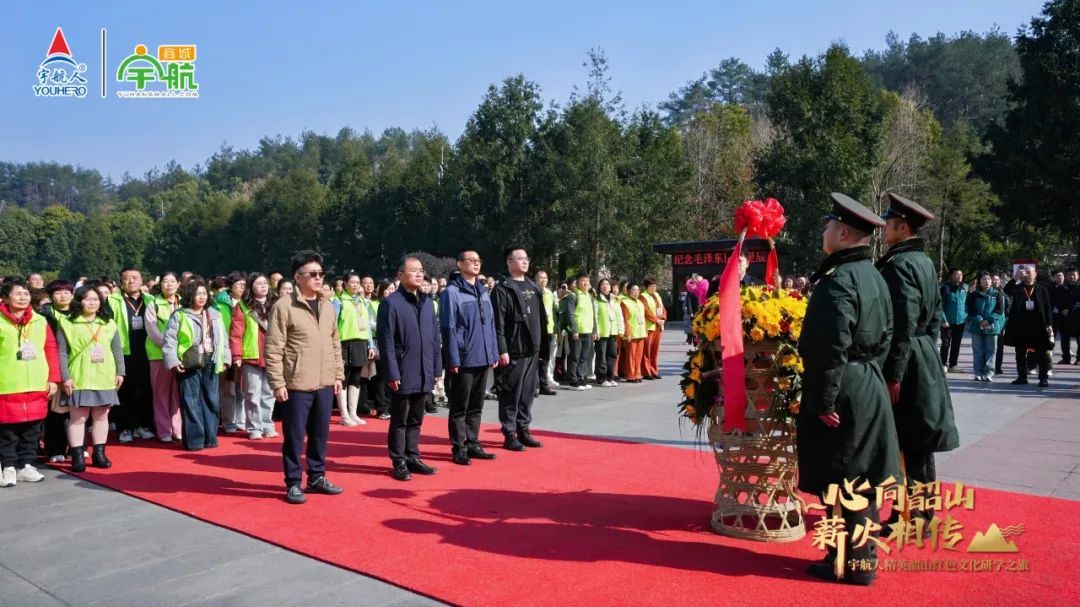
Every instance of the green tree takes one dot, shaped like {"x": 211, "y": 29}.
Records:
{"x": 95, "y": 254}
{"x": 18, "y": 240}
{"x": 828, "y": 114}
{"x": 1034, "y": 161}
{"x": 58, "y": 234}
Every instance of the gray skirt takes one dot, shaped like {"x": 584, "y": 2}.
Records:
{"x": 92, "y": 398}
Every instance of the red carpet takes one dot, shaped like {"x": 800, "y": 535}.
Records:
{"x": 580, "y": 522}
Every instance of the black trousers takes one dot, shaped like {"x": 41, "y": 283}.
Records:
{"x": 1061, "y": 329}
{"x": 306, "y": 414}
{"x": 518, "y": 389}
{"x": 136, "y": 395}
{"x": 19, "y": 443}
{"x": 465, "y": 391}
{"x": 920, "y": 467}
{"x": 379, "y": 393}
{"x": 577, "y": 359}
{"x": 55, "y": 434}
{"x": 950, "y": 344}
{"x": 547, "y": 351}
{"x": 606, "y": 353}
{"x": 852, "y": 519}
{"x": 1042, "y": 359}
{"x": 406, "y": 417}
{"x": 999, "y": 356}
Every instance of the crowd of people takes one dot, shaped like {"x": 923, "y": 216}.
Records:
{"x": 182, "y": 359}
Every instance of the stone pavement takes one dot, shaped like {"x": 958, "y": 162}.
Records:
{"x": 69, "y": 542}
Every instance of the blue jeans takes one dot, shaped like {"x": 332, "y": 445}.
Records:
{"x": 984, "y": 347}
{"x": 200, "y": 410}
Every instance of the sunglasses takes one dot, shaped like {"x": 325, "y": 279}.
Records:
{"x": 313, "y": 274}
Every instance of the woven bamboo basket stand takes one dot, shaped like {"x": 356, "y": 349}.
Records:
{"x": 757, "y": 498}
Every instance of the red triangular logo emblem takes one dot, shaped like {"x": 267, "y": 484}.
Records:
{"x": 59, "y": 44}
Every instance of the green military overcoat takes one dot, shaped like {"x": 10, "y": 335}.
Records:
{"x": 924, "y": 413}
{"x": 844, "y": 340}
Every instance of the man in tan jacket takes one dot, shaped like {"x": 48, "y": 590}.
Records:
{"x": 305, "y": 371}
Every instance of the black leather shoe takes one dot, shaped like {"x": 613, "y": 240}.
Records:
{"x": 321, "y": 485}
{"x": 647, "y": 378}
{"x": 98, "y": 457}
{"x": 431, "y": 408}
{"x": 527, "y": 440}
{"x": 548, "y": 392}
{"x": 401, "y": 471}
{"x": 1020, "y": 381}
{"x": 824, "y": 571}
{"x": 1043, "y": 383}
{"x": 420, "y": 467}
{"x": 294, "y": 495}
{"x": 1063, "y": 361}
{"x": 78, "y": 459}
{"x": 461, "y": 459}
{"x": 513, "y": 444}
{"x": 477, "y": 452}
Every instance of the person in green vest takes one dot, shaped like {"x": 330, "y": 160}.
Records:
{"x": 580, "y": 318}
{"x": 247, "y": 344}
{"x": 92, "y": 369}
{"x": 29, "y": 374}
{"x": 551, "y": 341}
{"x": 357, "y": 347}
{"x": 167, "y": 423}
{"x": 196, "y": 347}
{"x": 54, "y": 434}
{"x": 846, "y": 428}
{"x": 129, "y": 307}
{"x": 634, "y": 332}
{"x": 608, "y": 330}
{"x": 232, "y": 396}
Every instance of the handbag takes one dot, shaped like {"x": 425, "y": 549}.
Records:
{"x": 193, "y": 359}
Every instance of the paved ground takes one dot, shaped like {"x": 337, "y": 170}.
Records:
{"x": 1021, "y": 439}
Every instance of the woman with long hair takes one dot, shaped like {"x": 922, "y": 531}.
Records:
{"x": 92, "y": 368}
{"x": 163, "y": 381}
{"x": 196, "y": 348}
{"x": 247, "y": 342}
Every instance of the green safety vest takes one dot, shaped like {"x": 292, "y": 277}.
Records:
{"x": 185, "y": 339}
{"x": 649, "y": 303}
{"x": 250, "y": 343}
{"x": 636, "y": 319}
{"x": 584, "y": 313}
{"x": 353, "y": 321}
{"x": 163, "y": 310}
{"x": 81, "y": 338}
{"x": 21, "y": 376}
{"x": 374, "y": 311}
{"x": 606, "y": 318}
{"x": 119, "y": 309}
{"x": 223, "y": 304}
{"x": 549, "y": 308}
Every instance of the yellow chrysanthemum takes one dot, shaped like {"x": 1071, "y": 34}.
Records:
{"x": 695, "y": 375}
{"x": 757, "y": 334}
{"x": 689, "y": 391}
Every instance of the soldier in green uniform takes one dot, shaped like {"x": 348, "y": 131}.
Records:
{"x": 845, "y": 426}
{"x": 917, "y": 387}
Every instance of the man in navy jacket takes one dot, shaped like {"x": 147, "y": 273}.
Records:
{"x": 469, "y": 350}
{"x": 410, "y": 357}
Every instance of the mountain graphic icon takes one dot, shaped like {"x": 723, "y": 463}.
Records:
{"x": 991, "y": 541}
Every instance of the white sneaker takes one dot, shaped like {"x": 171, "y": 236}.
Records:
{"x": 255, "y": 435}
{"x": 125, "y": 436}
{"x": 587, "y": 386}
{"x": 552, "y": 383}
{"x": 989, "y": 379}
{"x": 272, "y": 434}
{"x": 143, "y": 433}
{"x": 359, "y": 421}
{"x": 29, "y": 474}
{"x": 347, "y": 422}
{"x": 7, "y": 477}
{"x": 166, "y": 439}
{"x": 580, "y": 388}
{"x": 610, "y": 384}
{"x": 57, "y": 459}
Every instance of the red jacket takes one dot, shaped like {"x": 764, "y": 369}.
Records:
{"x": 236, "y": 340}
{"x": 30, "y": 406}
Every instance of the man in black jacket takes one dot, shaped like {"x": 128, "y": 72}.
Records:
{"x": 1061, "y": 299}
{"x": 1030, "y": 326}
{"x": 520, "y": 326}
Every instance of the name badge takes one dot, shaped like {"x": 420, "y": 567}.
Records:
{"x": 97, "y": 354}
{"x": 1029, "y": 305}
{"x": 26, "y": 351}
{"x": 136, "y": 323}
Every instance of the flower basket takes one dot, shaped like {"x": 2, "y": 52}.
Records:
{"x": 757, "y": 498}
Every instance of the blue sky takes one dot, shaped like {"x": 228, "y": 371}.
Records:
{"x": 267, "y": 68}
